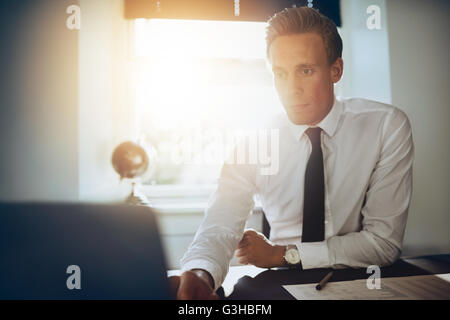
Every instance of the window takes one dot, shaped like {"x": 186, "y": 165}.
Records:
{"x": 199, "y": 85}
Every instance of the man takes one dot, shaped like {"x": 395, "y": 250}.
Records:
{"x": 341, "y": 195}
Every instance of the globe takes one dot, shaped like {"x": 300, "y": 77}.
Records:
{"x": 129, "y": 160}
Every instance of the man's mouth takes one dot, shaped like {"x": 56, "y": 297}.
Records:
{"x": 299, "y": 107}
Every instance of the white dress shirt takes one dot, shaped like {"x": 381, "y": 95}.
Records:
{"x": 368, "y": 157}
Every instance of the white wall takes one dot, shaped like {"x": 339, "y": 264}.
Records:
{"x": 406, "y": 63}
{"x": 419, "y": 52}
{"x": 63, "y": 100}
{"x": 105, "y": 114}
{"x": 38, "y": 102}
{"x": 365, "y": 52}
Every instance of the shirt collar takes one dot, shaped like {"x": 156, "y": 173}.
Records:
{"x": 328, "y": 124}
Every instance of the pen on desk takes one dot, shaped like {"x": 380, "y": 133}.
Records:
{"x": 324, "y": 281}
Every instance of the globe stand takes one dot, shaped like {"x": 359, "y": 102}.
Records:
{"x": 133, "y": 199}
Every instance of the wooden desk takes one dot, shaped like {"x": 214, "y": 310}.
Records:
{"x": 252, "y": 283}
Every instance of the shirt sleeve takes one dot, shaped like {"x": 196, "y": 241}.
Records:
{"x": 385, "y": 211}
{"x": 223, "y": 224}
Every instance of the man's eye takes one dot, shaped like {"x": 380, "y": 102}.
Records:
{"x": 306, "y": 71}
{"x": 279, "y": 74}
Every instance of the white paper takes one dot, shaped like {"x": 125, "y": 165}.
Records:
{"x": 397, "y": 288}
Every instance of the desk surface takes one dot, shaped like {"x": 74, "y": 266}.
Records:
{"x": 252, "y": 283}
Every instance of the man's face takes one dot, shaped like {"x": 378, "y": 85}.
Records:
{"x": 303, "y": 77}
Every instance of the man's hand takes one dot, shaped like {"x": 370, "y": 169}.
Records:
{"x": 256, "y": 249}
{"x": 195, "y": 284}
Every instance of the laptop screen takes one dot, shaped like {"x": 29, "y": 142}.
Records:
{"x": 80, "y": 251}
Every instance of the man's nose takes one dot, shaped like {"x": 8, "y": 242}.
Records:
{"x": 294, "y": 85}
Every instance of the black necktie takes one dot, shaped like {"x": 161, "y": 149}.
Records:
{"x": 313, "y": 207}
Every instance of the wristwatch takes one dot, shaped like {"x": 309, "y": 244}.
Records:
{"x": 292, "y": 256}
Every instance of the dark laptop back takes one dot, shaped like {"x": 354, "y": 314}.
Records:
{"x": 80, "y": 251}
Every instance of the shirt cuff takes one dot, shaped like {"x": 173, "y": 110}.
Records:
{"x": 313, "y": 254}
{"x": 206, "y": 265}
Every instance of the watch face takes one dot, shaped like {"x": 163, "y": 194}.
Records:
{"x": 292, "y": 256}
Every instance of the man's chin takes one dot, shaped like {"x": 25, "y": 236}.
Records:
{"x": 298, "y": 120}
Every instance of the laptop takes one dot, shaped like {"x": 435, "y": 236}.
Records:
{"x": 80, "y": 251}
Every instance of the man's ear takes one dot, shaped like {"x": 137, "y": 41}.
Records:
{"x": 337, "y": 68}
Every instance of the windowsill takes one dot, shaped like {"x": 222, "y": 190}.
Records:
{"x": 178, "y": 199}
{"x": 169, "y": 191}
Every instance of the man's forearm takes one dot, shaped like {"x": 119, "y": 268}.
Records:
{"x": 204, "y": 275}
{"x": 361, "y": 250}
{"x": 278, "y": 256}
{"x": 277, "y": 261}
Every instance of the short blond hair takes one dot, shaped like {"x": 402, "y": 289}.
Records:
{"x": 302, "y": 20}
